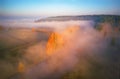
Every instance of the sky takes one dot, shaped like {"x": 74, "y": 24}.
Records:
{"x": 58, "y": 7}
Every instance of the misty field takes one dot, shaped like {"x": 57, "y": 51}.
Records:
{"x": 13, "y": 44}
{"x": 75, "y": 52}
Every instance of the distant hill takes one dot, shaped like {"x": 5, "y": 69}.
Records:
{"x": 82, "y": 17}
{"x": 113, "y": 19}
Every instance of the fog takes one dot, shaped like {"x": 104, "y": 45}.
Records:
{"x": 30, "y": 23}
{"x": 82, "y": 43}
{"x": 75, "y": 48}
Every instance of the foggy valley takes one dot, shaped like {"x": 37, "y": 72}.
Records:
{"x": 71, "y": 49}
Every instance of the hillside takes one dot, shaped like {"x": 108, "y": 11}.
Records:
{"x": 82, "y": 17}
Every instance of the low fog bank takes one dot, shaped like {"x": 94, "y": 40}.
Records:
{"x": 86, "y": 53}
{"x": 83, "y": 50}
{"x": 64, "y": 60}
{"x": 29, "y": 23}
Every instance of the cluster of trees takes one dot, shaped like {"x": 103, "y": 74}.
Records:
{"x": 113, "y": 20}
